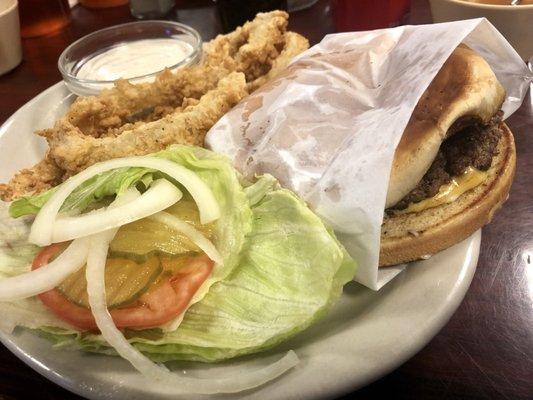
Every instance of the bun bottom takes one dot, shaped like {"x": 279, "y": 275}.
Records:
{"x": 413, "y": 236}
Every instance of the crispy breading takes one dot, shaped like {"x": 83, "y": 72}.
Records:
{"x": 40, "y": 177}
{"x": 259, "y": 48}
{"x": 294, "y": 45}
{"x": 113, "y": 109}
{"x": 179, "y": 107}
{"x": 250, "y": 48}
{"x": 73, "y": 151}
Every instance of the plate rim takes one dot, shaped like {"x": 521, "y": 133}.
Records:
{"x": 77, "y": 387}
{"x": 4, "y": 127}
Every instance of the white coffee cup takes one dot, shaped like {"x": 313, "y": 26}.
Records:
{"x": 514, "y": 22}
{"x": 10, "y": 45}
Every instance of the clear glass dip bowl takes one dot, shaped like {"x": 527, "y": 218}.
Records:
{"x": 84, "y": 51}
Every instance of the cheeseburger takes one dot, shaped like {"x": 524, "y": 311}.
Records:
{"x": 454, "y": 165}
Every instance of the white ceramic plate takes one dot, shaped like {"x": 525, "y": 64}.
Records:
{"x": 365, "y": 336}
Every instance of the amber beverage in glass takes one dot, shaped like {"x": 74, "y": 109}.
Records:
{"x": 41, "y": 17}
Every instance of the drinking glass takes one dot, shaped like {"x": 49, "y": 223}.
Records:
{"x": 41, "y": 17}
{"x": 363, "y": 15}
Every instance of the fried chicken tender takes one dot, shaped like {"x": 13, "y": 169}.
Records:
{"x": 294, "y": 45}
{"x": 42, "y": 176}
{"x": 260, "y": 47}
{"x": 117, "y": 109}
{"x": 73, "y": 151}
{"x": 178, "y": 107}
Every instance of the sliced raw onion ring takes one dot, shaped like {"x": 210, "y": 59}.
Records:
{"x": 51, "y": 275}
{"x": 48, "y": 277}
{"x": 161, "y": 194}
{"x": 96, "y": 290}
{"x": 42, "y": 228}
{"x": 191, "y": 232}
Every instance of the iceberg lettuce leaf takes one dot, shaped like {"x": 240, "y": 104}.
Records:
{"x": 16, "y": 254}
{"x": 283, "y": 269}
{"x": 95, "y": 189}
{"x": 291, "y": 272}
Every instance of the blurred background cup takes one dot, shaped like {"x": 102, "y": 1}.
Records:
{"x": 515, "y": 22}
{"x": 102, "y": 3}
{"x": 364, "y": 15}
{"x": 10, "y": 46}
{"x": 234, "y": 13}
{"x": 297, "y": 5}
{"x": 41, "y": 17}
{"x": 150, "y": 9}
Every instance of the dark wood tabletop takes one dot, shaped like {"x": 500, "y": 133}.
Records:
{"x": 486, "y": 349}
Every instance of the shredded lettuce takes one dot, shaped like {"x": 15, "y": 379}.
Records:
{"x": 283, "y": 268}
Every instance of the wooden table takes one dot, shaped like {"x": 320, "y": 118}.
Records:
{"x": 484, "y": 352}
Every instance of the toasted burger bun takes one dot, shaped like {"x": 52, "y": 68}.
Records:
{"x": 465, "y": 89}
{"x": 412, "y": 236}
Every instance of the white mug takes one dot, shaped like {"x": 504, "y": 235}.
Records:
{"x": 10, "y": 45}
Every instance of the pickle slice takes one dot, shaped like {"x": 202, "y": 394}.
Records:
{"x": 125, "y": 281}
{"x": 140, "y": 239}
{"x": 170, "y": 267}
{"x": 136, "y": 257}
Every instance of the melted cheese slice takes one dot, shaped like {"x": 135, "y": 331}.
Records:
{"x": 449, "y": 192}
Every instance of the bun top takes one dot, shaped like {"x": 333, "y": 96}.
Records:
{"x": 464, "y": 90}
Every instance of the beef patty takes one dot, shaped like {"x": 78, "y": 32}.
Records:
{"x": 474, "y": 145}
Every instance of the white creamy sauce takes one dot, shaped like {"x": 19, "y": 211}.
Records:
{"x": 137, "y": 58}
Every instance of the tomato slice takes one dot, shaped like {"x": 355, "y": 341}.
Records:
{"x": 155, "y": 307}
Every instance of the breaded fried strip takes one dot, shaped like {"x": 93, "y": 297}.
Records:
{"x": 73, "y": 151}
{"x": 36, "y": 179}
{"x": 260, "y": 48}
{"x": 251, "y": 48}
{"x": 104, "y": 114}
{"x": 179, "y": 107}
{"x": 294, "y": 45}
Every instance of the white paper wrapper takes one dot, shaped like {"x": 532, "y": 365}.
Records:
{"x": 328, "y": 127}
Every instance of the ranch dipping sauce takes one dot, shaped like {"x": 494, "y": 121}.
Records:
{"x": 133, "y": 59}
